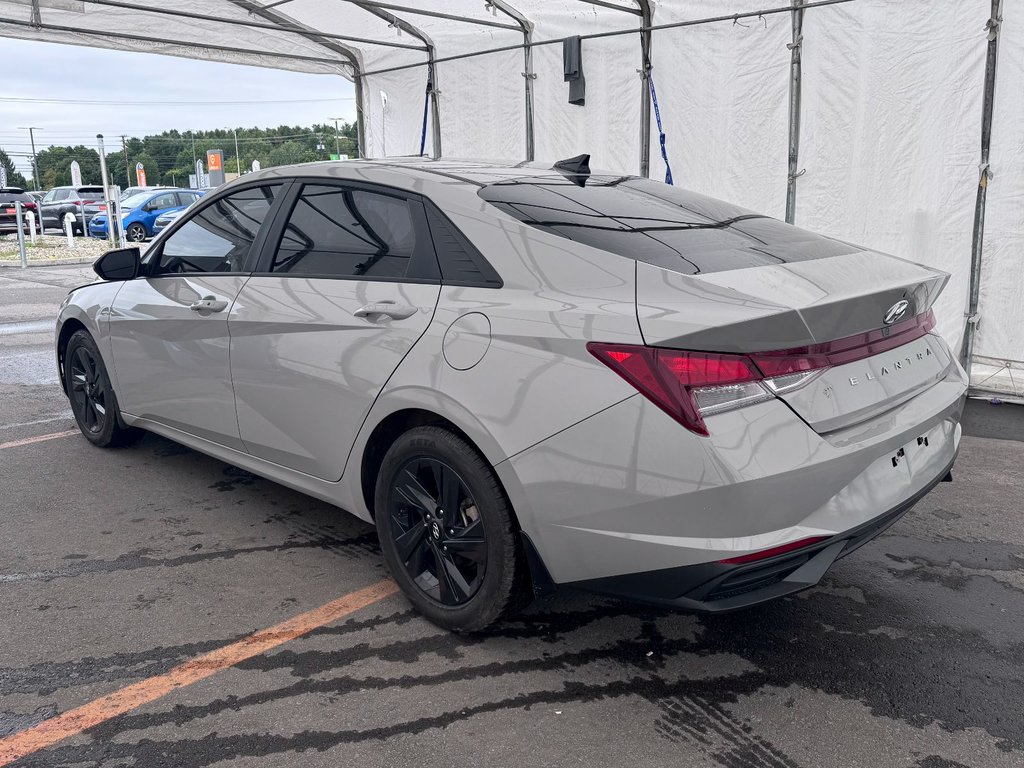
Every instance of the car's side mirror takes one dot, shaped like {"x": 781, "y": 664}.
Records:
{"x": 119, "y": 264}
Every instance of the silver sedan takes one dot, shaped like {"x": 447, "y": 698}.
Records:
{"x": 531, "y": 376}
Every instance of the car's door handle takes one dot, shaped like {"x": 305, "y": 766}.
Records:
{"x": 208, "y": 304}
{"x": 386, "y": 308}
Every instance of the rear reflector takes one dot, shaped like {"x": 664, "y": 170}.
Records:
{"x": 691, "y": 385}
{"x": 782, "y": 549}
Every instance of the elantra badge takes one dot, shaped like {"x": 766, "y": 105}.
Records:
{"x": 896, "y": 312}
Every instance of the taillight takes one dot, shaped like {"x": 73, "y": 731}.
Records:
{"x": 686, "y": 385}
{"x": 691, "y": 385}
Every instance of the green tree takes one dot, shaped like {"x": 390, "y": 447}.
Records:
{"x": 54, "y": 165}
{"x": 14, "y": 179}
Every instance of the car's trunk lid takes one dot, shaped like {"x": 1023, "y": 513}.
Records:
{"x": 808, "y": 306}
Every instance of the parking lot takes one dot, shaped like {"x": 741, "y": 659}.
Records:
{"x": 119, "y": 567}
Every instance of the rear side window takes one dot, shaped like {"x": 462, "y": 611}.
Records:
{"x": 187, "y": 198}
{"x": 335, "y": 231}
{"x": 167, "y": 200}
{"x": 61, "y": 194}
{"x": 219, "y": 238}
{"x": 658, "y": 224}
{"x": 461, "y": 263}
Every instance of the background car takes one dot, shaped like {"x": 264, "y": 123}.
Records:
{"x": 140, "y": 212}
{"x": 8, "y": 212}
{"x": 61, "y": 201}
{"x": 527, "y": 376}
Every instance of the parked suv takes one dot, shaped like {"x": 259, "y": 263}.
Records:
{"x": 8, "y": 213}
{"x": 61, "y": 201}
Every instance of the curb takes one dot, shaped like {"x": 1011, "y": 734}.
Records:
{"x": 50, "y": 262}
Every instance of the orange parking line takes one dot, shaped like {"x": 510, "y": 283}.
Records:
{"x": 75, "y": 721}
{"x": 39, "y": 439}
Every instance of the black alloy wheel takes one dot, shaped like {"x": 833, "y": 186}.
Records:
{"x": 88, "y": 391}
{"x": 437, "y": 531}
{"x": 93, "y": 402}
{"x": 447, "y": 531}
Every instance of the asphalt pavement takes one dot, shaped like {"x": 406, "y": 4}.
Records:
{"x": 120, "y": 569}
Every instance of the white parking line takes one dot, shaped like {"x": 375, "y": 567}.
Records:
{"x": 62, "y": 417}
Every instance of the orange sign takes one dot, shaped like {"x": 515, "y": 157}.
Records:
{"x": 140, "y": 175}
{"x": 214, "y": 161}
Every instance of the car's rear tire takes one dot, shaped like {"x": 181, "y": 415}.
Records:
{"x": 93, "y": 402}
{"x": 136, "y": 233}
{"x": 462, "y": 567}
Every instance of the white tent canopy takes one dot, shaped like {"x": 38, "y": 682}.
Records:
{"x": 860, "y": 119}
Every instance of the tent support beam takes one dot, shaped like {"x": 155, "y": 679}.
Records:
{"x": 795, "y": 72}
{"x": 614, "y": 33}
{"x": 182, "y": 43}
{"x": 528, "y": 74}
{"x": 646, "y": 38}
{"x": 434, "y": 14}
{"x": 433, "y": 91}
{"x": 280, "y": 21}
{"x": 978, "y": 233}
{"x": 285, "y": 26}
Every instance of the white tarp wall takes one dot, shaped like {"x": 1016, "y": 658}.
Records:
{"x": 891, "y": 113}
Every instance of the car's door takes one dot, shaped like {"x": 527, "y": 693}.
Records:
{"x": 159, "y": 204}
{"x": 347, "y": 284}
{"x": 169, "y": 329}
{"x": 52, "y": 203}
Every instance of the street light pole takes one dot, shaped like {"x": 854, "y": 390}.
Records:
{"x": 238, "y": 162}
{"x": 337, "y": 141}
{"x": 32, "y": 139}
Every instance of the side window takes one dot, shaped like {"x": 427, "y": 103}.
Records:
{"x": 187, "y": 198}
{"x": 61, "y": 194}
{"x": 164, "y": 201}
{"x": 220, "y": 236}
{"x": 338, "y": 232}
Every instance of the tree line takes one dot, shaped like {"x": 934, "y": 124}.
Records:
{"x": 169, "y": 157}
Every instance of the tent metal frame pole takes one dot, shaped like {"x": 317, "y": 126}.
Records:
{"x": 368, "y": 4}
{"x": 284, "y": 27}
{"x": 433, "y": 91}
{"x": 614, "y": 33}
{"x": 978, "y": 233}
{"x": 163, "y": 41}
{"x": 646, "y": 39}
{"x": 795, "y": 75}
{"x": 354, "y": 58}
{"x": 528, "y": 74}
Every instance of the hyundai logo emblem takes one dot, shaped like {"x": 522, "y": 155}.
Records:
{"x": 896, "y": 312}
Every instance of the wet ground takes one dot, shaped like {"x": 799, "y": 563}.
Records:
{"x": 116, "y": 566}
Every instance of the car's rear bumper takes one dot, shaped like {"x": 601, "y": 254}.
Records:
{"x": 719, "y": 587}
{"x": 629, "y": 491}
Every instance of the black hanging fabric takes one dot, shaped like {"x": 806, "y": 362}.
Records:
{"x": 572, "y": 61}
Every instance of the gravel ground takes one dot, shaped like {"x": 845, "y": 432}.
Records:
{"x": 51, "y": 249}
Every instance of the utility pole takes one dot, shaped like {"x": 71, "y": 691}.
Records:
{"x": 32, "y": 139}
{"x": 193, "y": 134}
{"x": 337, "y": 141}
{"x": 127, "y": 165}
{"x": 238, "y": 162}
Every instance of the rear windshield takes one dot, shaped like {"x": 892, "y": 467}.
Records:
{"x": 658, "y": 224}
{"x": 13, "y": 195}
{"x": 91, "y": 194}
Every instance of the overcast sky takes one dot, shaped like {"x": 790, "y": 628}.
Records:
{"x": 56, "y": 73}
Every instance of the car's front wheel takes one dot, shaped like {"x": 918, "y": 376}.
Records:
{"x": 447, "y": 531}
{"x": 92, "y": 397}
{"x": 136, "y": 233}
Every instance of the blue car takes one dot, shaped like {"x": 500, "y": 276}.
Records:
{"x": 140, "y": 212}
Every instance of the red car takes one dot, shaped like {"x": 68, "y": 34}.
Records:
{"x": 8, "y": 216}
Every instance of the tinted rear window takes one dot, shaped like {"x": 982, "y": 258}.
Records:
{"x": 10, "y": 196}
{"x": 658, "y": 224}
{"x": 91, "y": 195}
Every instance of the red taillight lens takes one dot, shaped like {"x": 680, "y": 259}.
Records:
{"x": 842, "y": 351}
{"x": 29, "y": 206}
{"x": 691, "y": 385}
{"x": 782, "y": 549}
{"x": 684, "y": 384}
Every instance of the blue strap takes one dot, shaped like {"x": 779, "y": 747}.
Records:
{"x": 661, "y": 132}
{"x": 423, "y": 134}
